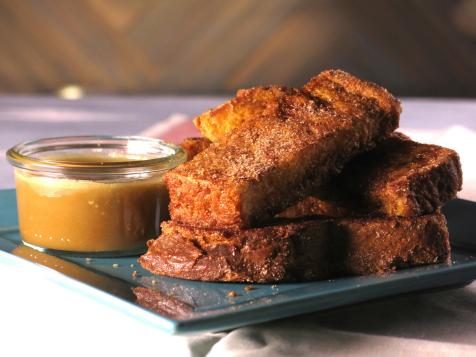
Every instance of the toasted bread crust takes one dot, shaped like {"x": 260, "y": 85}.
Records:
{"x": 192, "y": 146}
{"x": 318, "y": 87}
{"x": 258, "y": 103}
{"x": 247, "y": 105}
{"x": 298, "y": 251}
{"x": 398, "y": 178}
{"x": 266, "y": 165}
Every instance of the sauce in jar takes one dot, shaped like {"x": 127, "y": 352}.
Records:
{"x": 92, "y": 194}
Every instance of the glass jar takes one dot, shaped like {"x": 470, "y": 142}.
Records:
{"x": 92, "y": 195}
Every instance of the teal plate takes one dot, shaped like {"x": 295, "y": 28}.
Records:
{"x": 179, "y": 306}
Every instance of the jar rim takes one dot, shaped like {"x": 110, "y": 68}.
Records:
{"x": 22, "y": 155}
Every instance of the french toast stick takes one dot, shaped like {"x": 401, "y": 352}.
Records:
{"x": 399, "y": 177}
{"x": 299, "y": 250}
{"x": 260, "y": 102}
{"x": 267, "y": 165}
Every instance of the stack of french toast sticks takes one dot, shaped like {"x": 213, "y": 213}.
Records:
{"x": 303, "y": 184}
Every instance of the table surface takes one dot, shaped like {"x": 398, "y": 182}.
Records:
{"x": 437, "y": 323}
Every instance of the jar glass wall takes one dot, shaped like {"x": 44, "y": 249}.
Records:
{"x": 92, "y": 195}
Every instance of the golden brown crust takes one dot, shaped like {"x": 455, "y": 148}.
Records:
{"x": 300, "y": 250}
{"x": 192, "y": 146}
{"x": 318, "y": 85}
{"x": 398, "y": 178}
{"x": 248, "y": 105}
{"x": 266, "y": 165}
{"x": 258, "y": 103}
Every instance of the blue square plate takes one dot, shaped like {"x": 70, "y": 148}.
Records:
{"x": 181, "y": 306}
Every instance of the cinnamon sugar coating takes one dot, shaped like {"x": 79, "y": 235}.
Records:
{"x": 399, "y": 177}
{"x": 247, "y": 105}
{"x": 268, "y": 164}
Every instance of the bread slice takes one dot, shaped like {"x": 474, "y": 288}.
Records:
{"x": 253, "y": 104}
{"x": 267, "y": 165}
{"x": 398, "y": 178}
{"x": 298, "y": 251}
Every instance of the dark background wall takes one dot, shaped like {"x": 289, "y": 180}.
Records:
{"x": 419, "y": 47}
